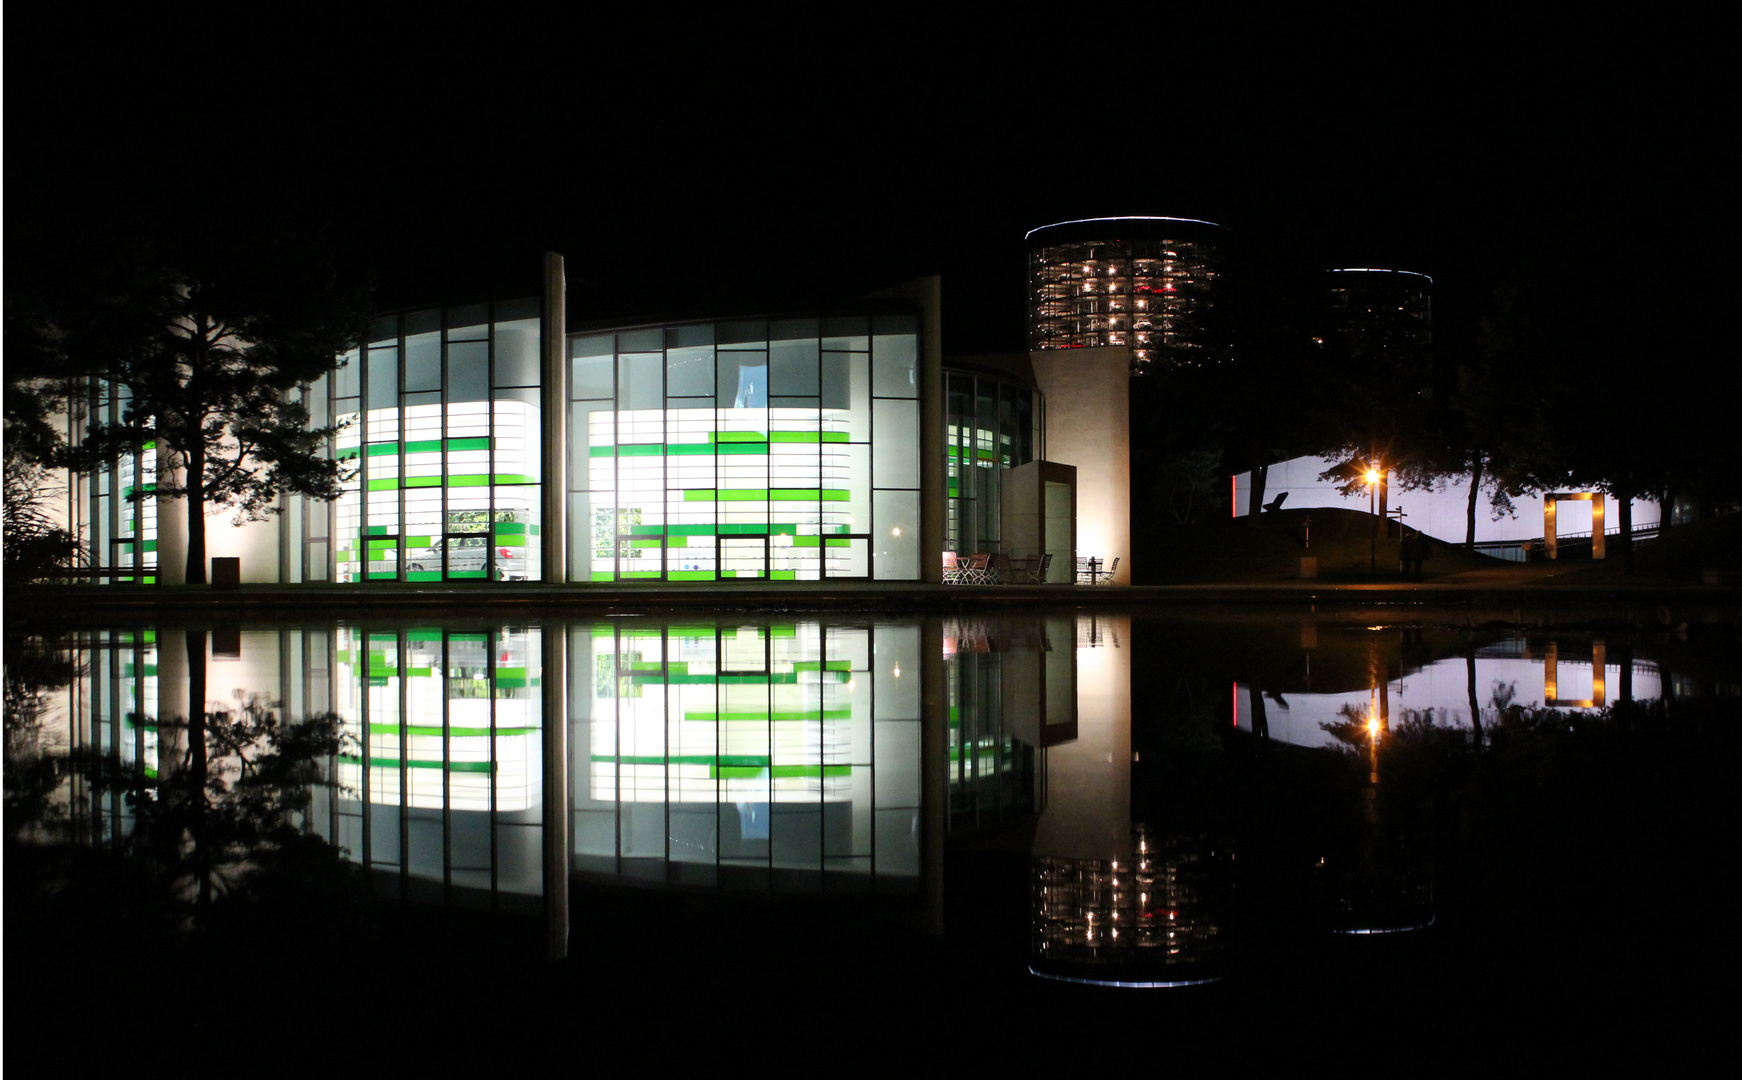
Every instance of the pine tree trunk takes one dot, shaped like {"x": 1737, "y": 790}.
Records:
{"x": 1470, "y": 510}
{"x": 1624, "y": 511}
{"x": 196, "y": 508}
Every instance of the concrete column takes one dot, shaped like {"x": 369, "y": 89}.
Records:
{"x": 554, "y": 409}
{"x": 1088, "y": 424}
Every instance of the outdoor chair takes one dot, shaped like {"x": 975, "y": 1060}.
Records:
{"x": 1000, "y": 570}
{"x": 977, "y": 571}
{"x": 952, "y": 569}
{"x": 1105, "y": 577}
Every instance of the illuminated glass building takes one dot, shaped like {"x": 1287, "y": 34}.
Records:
{"x": 1134, "y": 281}
{"x": 492, "y": 442}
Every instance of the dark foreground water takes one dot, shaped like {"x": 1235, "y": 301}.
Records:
{"x": 783, "y": 841}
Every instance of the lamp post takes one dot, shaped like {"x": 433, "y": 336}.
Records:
{"x": 1372, "y": 479}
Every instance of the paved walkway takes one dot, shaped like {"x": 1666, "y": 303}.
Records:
{"x": 1508, "y": 588}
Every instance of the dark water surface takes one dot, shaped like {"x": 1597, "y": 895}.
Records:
{"x": 1096, "y": 834}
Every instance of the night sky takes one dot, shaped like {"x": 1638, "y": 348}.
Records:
{"x": 698, "y": 167}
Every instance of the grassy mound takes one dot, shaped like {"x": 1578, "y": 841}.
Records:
{"x": 1686, "y": 551}
{"x": 1269, "y": 549}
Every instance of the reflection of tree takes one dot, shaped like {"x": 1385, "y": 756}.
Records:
{"x": 1352, "y": 729}
{"x": 35, "y": 665}
{"x": 223, "y": 822}
{"x": 1502, "y": 695}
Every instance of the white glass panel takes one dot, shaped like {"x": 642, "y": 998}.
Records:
{"x": 894, "y": 359}
{"x": 517, "y": 353}
{"x": 895, "y": 535}
{"x": 895, "y": 444}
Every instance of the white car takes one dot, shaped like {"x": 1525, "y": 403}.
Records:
{"x": 469, "y": 554}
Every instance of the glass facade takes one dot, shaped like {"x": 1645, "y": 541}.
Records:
{"x": 121, "y": 515}
{"x": 1141, "y": 282}
{"x": 441, "y": 417}
{"x": 992, "y": 425}
{"x": 768, "y": 449}
{"x": 764, "y": 449}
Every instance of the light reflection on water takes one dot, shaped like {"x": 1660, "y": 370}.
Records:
{"x": 1465, "y": 692}
{"x": 791, "y": 754}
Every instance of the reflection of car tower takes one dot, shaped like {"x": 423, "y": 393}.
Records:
{"x": 1134, "y": 281}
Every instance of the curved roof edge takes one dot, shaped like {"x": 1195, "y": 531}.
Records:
{"x": 1377, "y": 270}
{"x": 1124, "y": 218}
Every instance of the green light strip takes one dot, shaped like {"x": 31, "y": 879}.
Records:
{"x": 393, "y": 763}
{"x": 456, "y": 732}
{"x": 733, "y": 767}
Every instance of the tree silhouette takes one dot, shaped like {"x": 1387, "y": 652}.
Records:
{"x": 206, "y": 339}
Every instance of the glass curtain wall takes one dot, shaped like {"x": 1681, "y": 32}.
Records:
{"x": 763, "y": 449}
{"x": 763, "y": 755}
{"x": 122, "y": 513}
{"x": 992, "y": 425}
{"x": 441, "y": 415}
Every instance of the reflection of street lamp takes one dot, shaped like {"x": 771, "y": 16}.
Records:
{"x": 1372, "y": 478}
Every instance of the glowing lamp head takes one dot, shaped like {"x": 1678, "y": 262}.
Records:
{"x": 1372, "y": 476}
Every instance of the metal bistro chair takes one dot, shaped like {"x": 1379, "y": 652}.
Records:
{"x": 999, "y": 571}
{"x": 1040, "y": 571}
{"x": 1086, "y": 568}
{"x": 952, "y": 569}
{"x": 977, "y": 571}
{"x": 1105, "y": 577}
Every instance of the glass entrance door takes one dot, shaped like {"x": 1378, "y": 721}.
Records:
{"x": 743, "y": 557}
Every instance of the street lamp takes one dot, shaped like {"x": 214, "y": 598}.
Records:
{"x": 1372, "y": 478}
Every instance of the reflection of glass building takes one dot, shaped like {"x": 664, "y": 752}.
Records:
{"x": 761, "y": 755}
{"x": 1143, "y": 282}
{"x": 450, "y": 726}
{"x": 1011, "y": 688}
